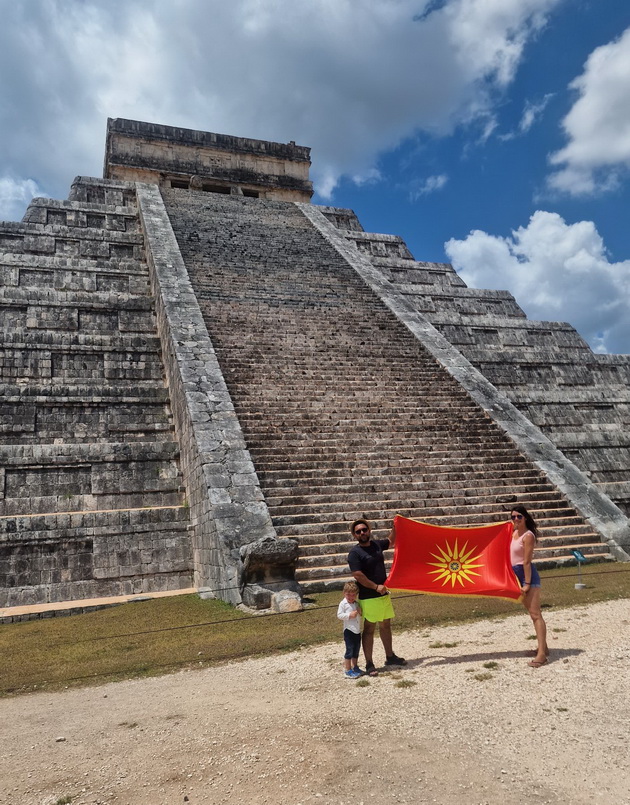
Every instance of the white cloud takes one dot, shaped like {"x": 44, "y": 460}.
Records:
{"x": 598, "y": 125}
{"x": 370, "y": 176}
{"x": 557, "y": 272}
{"x": 350, "y": 80}
{"x": 429, "y": 185}
{"x": 532, "y": 112}
{"x": 15, "y": 194}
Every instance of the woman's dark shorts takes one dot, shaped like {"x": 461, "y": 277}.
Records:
{"x": 520, "y": 575}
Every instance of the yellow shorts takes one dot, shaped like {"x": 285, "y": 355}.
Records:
{"x": 378, "y": 609}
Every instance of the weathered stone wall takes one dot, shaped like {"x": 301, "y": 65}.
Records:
{"x": 90, "y": 490}
{"x": 147, "y": 152}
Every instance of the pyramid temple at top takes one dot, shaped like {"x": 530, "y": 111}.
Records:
{"x": 206, "y": 378}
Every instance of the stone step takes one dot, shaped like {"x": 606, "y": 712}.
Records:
{"x": 422, "y": 498}
{"x": 320, "y": 481}
{"x": 357, "y": 493}
{"x": 556, "y": 520}
{"x": 323, "y": 478}
{"x": 331, "y": 422}
{"x": 418, "y": 459}
{"x": 420, "y": 509}
{"x": 368, "y": 448}
{"x": 325, "y": 422}
{"x": 366, "y": 433}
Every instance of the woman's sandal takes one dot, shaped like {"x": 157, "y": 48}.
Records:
{"x": 537, "y": 663}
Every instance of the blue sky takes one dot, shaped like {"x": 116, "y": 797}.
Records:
{"x": 493, "y": 134}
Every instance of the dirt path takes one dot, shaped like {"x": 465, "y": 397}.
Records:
{"x": 292, "y": 730}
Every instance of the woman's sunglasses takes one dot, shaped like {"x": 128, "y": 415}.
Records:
{"x": 517, "y": 517}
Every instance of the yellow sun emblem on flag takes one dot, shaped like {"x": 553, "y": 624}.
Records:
{"x": 455, "y": 564}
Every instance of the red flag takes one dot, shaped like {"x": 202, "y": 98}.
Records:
{"x": 453, "y": 561}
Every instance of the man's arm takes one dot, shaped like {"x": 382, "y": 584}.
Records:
{"x": 360, "y": 576}
{"x": 392, "y": 536}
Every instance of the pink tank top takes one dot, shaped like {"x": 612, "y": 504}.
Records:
{"x": 517, "y": 550}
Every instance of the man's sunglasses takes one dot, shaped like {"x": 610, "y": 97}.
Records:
{"x": 361, "y": 530}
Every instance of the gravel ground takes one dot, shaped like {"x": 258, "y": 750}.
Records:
{"x": 291, "y": 729}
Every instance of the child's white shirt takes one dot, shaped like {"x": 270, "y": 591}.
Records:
{"x": 343, "y": 613}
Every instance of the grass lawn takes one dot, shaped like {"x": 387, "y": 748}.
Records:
{"x": 165, "y": 634}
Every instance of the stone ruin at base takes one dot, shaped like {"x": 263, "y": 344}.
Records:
{"x": 205, "y": 379}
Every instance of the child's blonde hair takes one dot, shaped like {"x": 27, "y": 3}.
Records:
{"x": 350, "y": 587}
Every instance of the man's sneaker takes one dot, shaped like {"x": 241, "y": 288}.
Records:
{"x": 394, "y": 660}
{"x": 353, "y": 674}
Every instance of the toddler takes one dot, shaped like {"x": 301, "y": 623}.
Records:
{"x": 349, "y": 612}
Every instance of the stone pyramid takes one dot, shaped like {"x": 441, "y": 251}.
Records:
{"x": 205, "y": 379}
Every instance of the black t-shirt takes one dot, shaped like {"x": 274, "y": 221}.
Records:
{"x": 370, "y": 561}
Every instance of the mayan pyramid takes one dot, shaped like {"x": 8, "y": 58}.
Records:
{"x": 206, "y": 378}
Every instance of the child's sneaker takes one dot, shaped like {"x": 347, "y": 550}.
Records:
{"x": 353, "y": 674}
{"x": 358, "y": 670}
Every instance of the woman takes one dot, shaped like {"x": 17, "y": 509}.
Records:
{"x": 524, "y": 538}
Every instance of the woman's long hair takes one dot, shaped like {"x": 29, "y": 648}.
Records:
{"x": 530, "y": 523}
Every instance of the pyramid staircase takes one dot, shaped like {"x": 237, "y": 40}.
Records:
{"x": 345, "y": 413}
{"x": 578, "y": 398}
{"x": 92, "y": 503}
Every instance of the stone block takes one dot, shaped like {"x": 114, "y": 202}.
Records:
{"x": 286, "y": 601}
{"x": 256, "y": 597}
{"x": 39, "y": 244}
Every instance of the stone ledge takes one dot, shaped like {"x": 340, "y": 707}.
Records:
{"x": 65, "y": 608}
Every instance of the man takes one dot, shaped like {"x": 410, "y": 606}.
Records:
{"x": 367, "y": 565}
